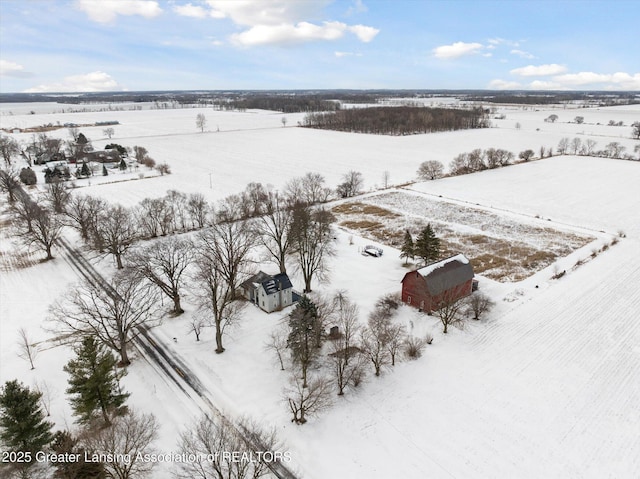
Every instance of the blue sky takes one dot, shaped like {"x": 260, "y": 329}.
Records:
{"x": 106, "y": 45}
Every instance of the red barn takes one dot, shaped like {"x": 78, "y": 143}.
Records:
{"x": 446, "y": 280}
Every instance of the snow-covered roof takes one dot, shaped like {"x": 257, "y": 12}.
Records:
{"x": 427, "y": 270}
{"x": 446, "y": 274}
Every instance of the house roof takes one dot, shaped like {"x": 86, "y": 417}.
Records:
{"x": 271, "y": 284}
{"x": 446, "y": 274}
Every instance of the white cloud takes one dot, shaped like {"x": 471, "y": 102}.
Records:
{"x": 522, "y": 54}
{"x": 614, "y": 81}
{"x": 283, "y": 22}
{"x": 12, "y": 69}
{"x": 540, "y": 70}
{"x": 357, "y": 7}
{"x": 347, "y": 54}
{"x": 106, "y": 11}
{"x": 545, "y": 85}
{"x": 288, "y": 34}
{"x": 456, "y": 50}
{"x": 504, "y": 85}
{"x": 90, "y": 82}
{"x": 364, "y": 33}
{"x": 266, "y": 12}
{"x": 189, "y": 10}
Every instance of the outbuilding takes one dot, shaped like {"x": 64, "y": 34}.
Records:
{"x": 435, "y": 284}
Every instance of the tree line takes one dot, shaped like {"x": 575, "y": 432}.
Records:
{"x": 404, "y": 120}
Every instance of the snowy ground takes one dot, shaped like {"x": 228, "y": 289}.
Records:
{"x": 547, "y": 386}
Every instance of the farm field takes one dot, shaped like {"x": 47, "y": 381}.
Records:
{"x": 548, "y": 385}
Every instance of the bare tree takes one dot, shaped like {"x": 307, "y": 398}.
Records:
{"x": 82, "y": 212}
{"x": 386, "y": 178}
{"x": 635, "y": 132}
{"x": 129, "y": 436}
{"x": 278, "y": 344}
{"x": 526, "y": 155}
{"x": 57, "y": 195}
{"x": 116, "y": 231}
{"x": 614, "y": 149}
{"x": 576, "y": 143}
{"x": 8, "y": 148}
{"x": 46, "y": 394}
{"x": 351, "y": 184}
{"x": 10, "y": 183}
{"x": 163, "y": 169}
{"x": 198, "y": 210}
{"x": 589, "y": 146}
{"x": 309, "y": 189}
{"x": 272, "y": 230}
{"x": 177, "y": 203}
{"x": 215, "y": 291}
{"x": 26, "y": 349}
{"x": 311, "y": 242}
{"x": 218, "y": 443}
{"x": 449, "y": 308}
{"x": 345, "y": 357}
{"x": 413, "y": 346}
{"x": 479, "y": 303}
{"x": 43, "y": 230}
{"x": 374, "y": 343}
{"x": 201, "y": 121}
{"x": 229, "y": 244}
{"x": 154, "y": 217}
{"x": 114, "y": 313}
{"x": 396, "y": 335}
{"x": 108, "y": 132}
{"x": 430, "y": 170}
{"x": 197, "y": 323}
{"x": 308, "y": 401}
{"x": 25, "y": 210}
{"x": 164, "y": 263}
{"x": 563, "y": 146}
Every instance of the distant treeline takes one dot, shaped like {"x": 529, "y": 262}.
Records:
{"x": 404, "y": 120}
{"x": 284, "y": 104}
{"x": 551, "y": 98}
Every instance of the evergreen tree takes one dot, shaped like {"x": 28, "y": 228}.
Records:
{"x": 94, "y": 383}
{"x": 123, "y": 165}
{"x": 408, "y": 248}
{"x": 427, "y": 245}
{"x": 22, "y": 421}
{"x": 305, "y": 334}
{"x": 104, "y": 171}
{"x": 65, "y": 443}
{"x": 85, "y": 171}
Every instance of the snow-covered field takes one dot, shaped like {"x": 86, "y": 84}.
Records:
{"x": 548, "y": 385}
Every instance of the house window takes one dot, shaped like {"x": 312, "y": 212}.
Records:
{"x": 408, "y": 299}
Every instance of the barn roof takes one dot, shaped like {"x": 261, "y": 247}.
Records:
{"x": 446, "y": 274}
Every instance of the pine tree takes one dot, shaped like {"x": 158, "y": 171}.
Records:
{"x": 64, "y": 443}
{"x": 22, "y": 421}
{"x": 305, "y": 334}
{"x": 408, "y": 248}
{"x": 85, "y": 171}
{"x": 123, "y": 165}
{"x": 93, "y": 382}
{"x": 104, "y": 171}
{"x": 427, "y": 245}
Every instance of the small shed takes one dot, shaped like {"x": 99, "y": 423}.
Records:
{"x": 268, "y": 292}
{"x": 443, "y": 281}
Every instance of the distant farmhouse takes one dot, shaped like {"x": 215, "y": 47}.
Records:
{"x": 443, "y": 281}
{"x": 99, "y": 156}
{"x": 269, "y": 293}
